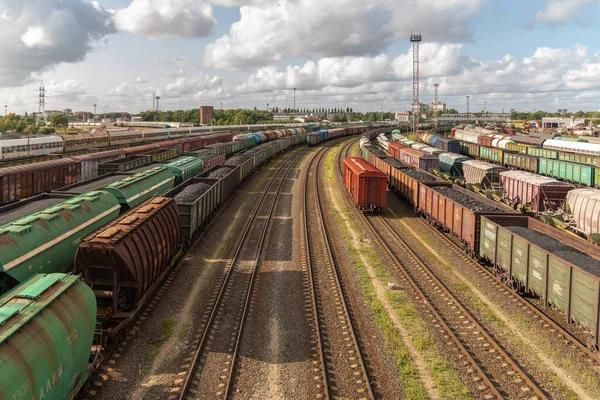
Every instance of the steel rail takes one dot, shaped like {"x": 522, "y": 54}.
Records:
{"x": 214, "y": 309}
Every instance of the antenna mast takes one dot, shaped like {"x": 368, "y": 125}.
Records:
{"x": 415, "y": 39}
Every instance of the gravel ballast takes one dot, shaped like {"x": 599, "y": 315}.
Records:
{"x": 559, "y": 249}
{"x": 220, "y": 173}
{"x": 191, "y": 193}
{"x": 419, "y": 175}
{"x": 467, "y": 201}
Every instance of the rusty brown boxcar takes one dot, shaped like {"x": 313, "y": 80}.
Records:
{"x": 458, "y": 211}
{"x": 125, "y": 260}
{"x": 24, "y": 181}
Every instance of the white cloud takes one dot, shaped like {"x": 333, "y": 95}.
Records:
{"x": 166, "y": 18}
{"x": 197, "y": 87}
{"x": 560, "y": 11}
{"x": 547, "y": 77}
{"x": 42, "y": 34}
{"x": 272, "y": 31}
{"x": 436, "y": 60}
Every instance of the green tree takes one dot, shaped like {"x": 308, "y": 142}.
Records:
{"x": 59, "y": 120}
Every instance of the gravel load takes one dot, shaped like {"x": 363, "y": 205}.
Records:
{"x": 236, "y": 161}
{"x": 208, "y": 157}
{"x": 419, "y": 175}
{"x": 559, "y": 249}
{"x": 191, "y": 193}
{"x": 252, "y": 151}
{"x": 220, "y": 173}
{"x": 471, "y": 203}
{"x": 394, "y": 163}
{"x": 376, "y": 151}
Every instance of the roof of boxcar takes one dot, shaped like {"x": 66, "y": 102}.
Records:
{"x": 534, "y": 179}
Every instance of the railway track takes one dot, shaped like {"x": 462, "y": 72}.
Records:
{"x": 492, "y": 372}
{"x": 212, "y": 365}
{"x": 531, "y": 309}
{"x": 343, "y": 368}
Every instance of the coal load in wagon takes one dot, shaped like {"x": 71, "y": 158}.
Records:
{"x": 419, "y": 175}
{"x": 253, "y": 151}
{"x": 220, "y": 173}
{"x": 377, "y": 151}
{"x": 208, "y": 157}
{"x": 394, "y": 162}
{"x": 567, "y": 253}
{"x": 236, "y": 161}
{"x": 190, "y": 193}
{"x": 466, "y": 200}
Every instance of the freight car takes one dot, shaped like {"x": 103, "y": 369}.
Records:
{"x": 536, "y": 258}
{"x": 47, "y": 327}
{"x": 581, "y": 174}
{"x": 418, "y": 159}
{"x": 533, "y": 192}
{"x": 592, "y": 149}
{"x": 366, "y": 184}
{"x": 46, "y": 241}
{"x": 583, "y": 208}
{"x": 126, "y": 259}
{"x": 136, "y": 189}
{"x": 482, "y": 174}
{"x": 452, "y": 163}
{"x": 28, "y": 180}
{"x": 456, "y": 210}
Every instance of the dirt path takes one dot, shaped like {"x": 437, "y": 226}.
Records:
{"x": 381, "y": 291}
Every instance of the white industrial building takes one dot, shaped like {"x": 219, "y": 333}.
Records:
{"x": 561, "y": 122}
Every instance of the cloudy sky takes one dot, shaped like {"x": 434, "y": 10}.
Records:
{"x": 522, "y": 54}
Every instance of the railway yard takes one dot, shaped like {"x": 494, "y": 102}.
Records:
{"x": 341, "y": 263}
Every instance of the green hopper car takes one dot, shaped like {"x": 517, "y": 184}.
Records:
{"x": 138, "y": 188}
{"x": 47, "y": 240}
{"x": 185, "y": 168}
{"x": 47, "y": 329}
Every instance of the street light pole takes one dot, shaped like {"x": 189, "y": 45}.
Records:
{"x": 485, "y": 106}
{"x": 5, "y": 108}
{"x": 267, "y": 106}
{"x": 468, "y": 97}
{"x": 381, "y": 110}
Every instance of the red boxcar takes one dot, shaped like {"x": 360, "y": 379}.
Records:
{"x": 192, "y": 143}
{"x": 419, "y": 159}
{"x": 365, "y": 183}
{"x": 172, "y": 144}
{"x": 394, "y": 149}
{"x": 27, "y": 180}
{"x": 135, "y": 150}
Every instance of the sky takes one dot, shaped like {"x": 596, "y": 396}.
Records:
{"x": 505, "y": 54}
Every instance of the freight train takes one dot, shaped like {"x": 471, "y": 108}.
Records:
{"x": 525, "y": 253}
{"x": 122, "y": 239}
{"x": 102, "y": 138}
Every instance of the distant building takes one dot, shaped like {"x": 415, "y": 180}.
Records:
{"x": 402, "y": 117}
{"x": 434, "y": 107}
{"x": 306, "y": 120}
{"x": 206, "y": 114}
{"x": 282, "y": 117}
{"x": 68, "y": 111}
{"x": 561, "y": 122}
